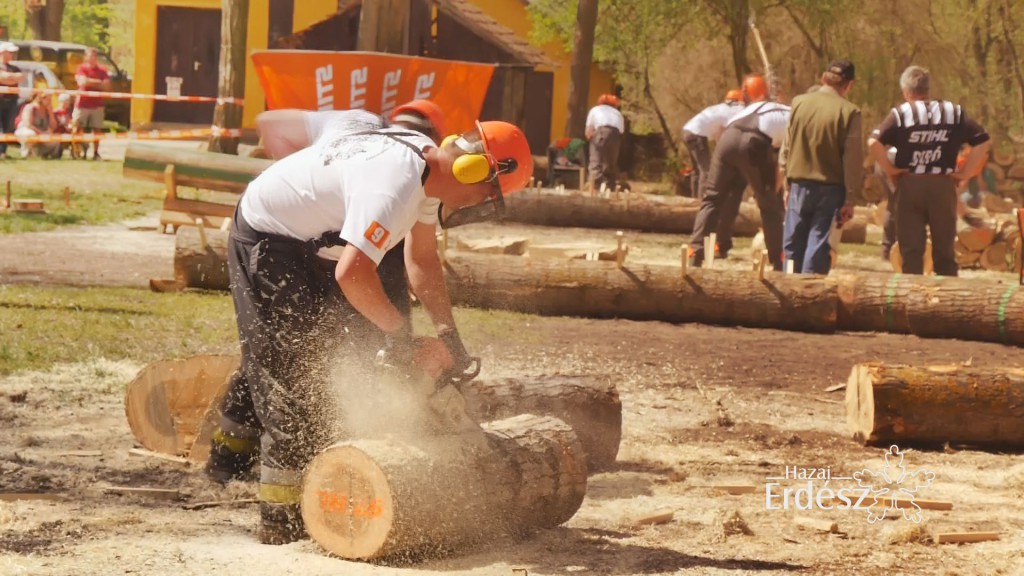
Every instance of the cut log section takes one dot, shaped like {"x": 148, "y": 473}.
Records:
{"x": 513, "y": 246}
{"x": 193, "y": 168}
{"x": 591, "y": 408}
{"x": 934, "y": 405}
{"x": 173, "y": 406}
{"x": 370, "y": 499}
{"x": 167, "y": 400}
{"x": 200, "y": 257}
{"x": 646, "y": 212}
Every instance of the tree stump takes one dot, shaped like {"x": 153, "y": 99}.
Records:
{"x": 937, "y": 404}
{"x": 402, "y": 498}
{"x": 200, "y": 257}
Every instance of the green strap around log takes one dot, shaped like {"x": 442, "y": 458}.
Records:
{"x": 207, "y": 170}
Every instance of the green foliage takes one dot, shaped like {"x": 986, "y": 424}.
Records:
{"x": 87, "y": 22}
{"x": 99, "y": 194}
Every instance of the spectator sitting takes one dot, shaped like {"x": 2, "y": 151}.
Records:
{"x": 36, "y": 119}
{"x": 566, "y": 152}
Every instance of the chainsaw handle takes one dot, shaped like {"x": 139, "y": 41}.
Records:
{"x": 470, "y": 372}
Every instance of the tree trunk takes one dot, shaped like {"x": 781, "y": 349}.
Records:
{"x": 582, "y": 60}
{"x": 934, "y": 405}
{"x": 45, "y": 21}
{"x": 220, "y": 172}
{"x": 384, "y": 26}
{"x": 643, "y": 292}
{"x": 591, "y": 408}
{"x": 398, "y": 498}
{"x": 646, "y": 212}
{"x": 234, "y": 18}
{"x": 931, "y": 306}
{"x": 201, "y": 264}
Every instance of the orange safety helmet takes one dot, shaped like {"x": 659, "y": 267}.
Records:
{"x": 735, "y": 95}
{"x": 755, "y": 87}
{"x": 509, "y": 154}
{"x": 421, "y": 110}
{"x": 609, "y": 100}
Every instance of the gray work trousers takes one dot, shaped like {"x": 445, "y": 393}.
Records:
{"x": 700, "y": 158}
{"x": 604, "y": 157}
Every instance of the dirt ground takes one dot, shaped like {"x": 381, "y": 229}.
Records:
{"x": 702, "y": 406}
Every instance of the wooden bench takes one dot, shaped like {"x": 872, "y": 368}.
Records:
{"x": 196, "y": 169}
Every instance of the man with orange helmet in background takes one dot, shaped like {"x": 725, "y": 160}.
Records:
{"x": 365, "y": 191}
{"x": 604, "y": 129}
{"x": 707, "y": 125}
{"x": 746, "y": 154}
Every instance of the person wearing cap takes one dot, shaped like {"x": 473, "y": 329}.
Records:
{"x": 88, "y": 115}
{"x": 363, "y": 191}
{"x": 745, "y": 156}
{"x": 10, "y": 77}
{"x": 823, "y": 162}
{"x": 698, "y": 131}
{"x": 927, "y": 135}
{"x": 604, "y": 128}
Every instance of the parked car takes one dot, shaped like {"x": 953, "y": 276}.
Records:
{"x": 63, "y": 58}
{"x": 37, "y": 75}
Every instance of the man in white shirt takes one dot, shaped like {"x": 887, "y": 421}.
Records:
{"x": 708, "y": 125}
{"x": 746, "y": 155}
{"x": 365, "y": 191}
{"x": 605, "y": 126}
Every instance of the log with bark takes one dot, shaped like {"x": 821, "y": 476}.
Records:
{"x": 630, "y": 211}
{"x": 937, "y": 404}
{"x": 206, "y": 170}
{"x": 642, "y": 292}
{"x": 173, "y": 406}
{"x": 399, "y": 498}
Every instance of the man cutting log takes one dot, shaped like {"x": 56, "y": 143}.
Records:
{"x": 365, "y": 191}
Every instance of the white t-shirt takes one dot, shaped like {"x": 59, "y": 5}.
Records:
{"x": 710, "y": 122}
{"x": 772, "y": 119}
{"x": 368, "y": 186}
{"x": 605, "y": 115}
{"x": 341, "y": 121}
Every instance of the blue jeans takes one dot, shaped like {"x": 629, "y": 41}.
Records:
{"x": 810, "y": 214}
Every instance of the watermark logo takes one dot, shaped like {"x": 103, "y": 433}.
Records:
{"x": 887, "y": 492}
{"x": 894, "y": 488}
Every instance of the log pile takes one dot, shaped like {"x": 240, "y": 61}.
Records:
{"x": 934, "y": 405}
{"x": 995, "y": 246}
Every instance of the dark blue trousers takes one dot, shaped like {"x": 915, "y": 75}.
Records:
{"x": 810, "y": 213}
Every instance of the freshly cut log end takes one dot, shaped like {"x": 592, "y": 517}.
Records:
{"x": 592, "y": 408}
{"x": 166, "y": 401}
{"x": 402, "y": 499}
{"x": 936, "y": 404}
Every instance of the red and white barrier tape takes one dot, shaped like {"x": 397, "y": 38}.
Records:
{"x": 150, "y": 135}
{"x": 122, "y": 95}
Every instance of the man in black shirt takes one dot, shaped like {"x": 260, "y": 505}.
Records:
{"x": 927, "y": 135}
{"x": 10, "y": 77}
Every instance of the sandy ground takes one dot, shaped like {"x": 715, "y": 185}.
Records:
{"x": 701, "y": 406}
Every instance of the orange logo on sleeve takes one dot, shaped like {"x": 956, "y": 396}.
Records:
{"x": 377, "y": 235}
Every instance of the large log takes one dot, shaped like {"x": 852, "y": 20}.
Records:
{"x": 931, "y": 306}
{"x": 200, "y": 257}
{"x": 172, "y": 406}
{"x": 934, "y": 405}
{"x": 166, "y": 402}
{"x": 592, "y": 408}
{"x": 629, "y": 211}
{"x": 642, "y": 292}
{"x": 402, "y": 497}
{"x": 206, "y": 170}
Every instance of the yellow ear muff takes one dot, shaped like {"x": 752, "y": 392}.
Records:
{"x": 449, "y": 139}
{"x": 471, "y": 168}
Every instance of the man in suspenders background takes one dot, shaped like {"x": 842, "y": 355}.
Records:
{"x": 745, "y": 155}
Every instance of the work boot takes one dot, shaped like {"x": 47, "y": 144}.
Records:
{"x": 231, "y": 458}
{"x": 281, "y": 524}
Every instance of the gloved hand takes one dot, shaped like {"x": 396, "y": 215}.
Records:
{"x": 465, "y": 367}
{"x": 398, "y": 350}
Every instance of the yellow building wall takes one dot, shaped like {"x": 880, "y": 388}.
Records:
{"x": 305, "y": 13}
{"x": 512, "y": 15}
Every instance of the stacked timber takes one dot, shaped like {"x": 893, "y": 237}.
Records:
{"x": 995, "y": 246}
{"x": 933, "y": 405}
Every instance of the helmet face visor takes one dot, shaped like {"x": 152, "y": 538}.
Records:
{"x": 493, "y": 208}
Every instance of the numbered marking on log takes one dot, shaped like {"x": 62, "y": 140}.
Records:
{"x": 341, "y": 503}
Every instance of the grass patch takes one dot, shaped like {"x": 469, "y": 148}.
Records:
{"x": 43, "y": 325}
{"x": 99, "y": 194}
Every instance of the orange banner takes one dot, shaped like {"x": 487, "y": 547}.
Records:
{"x": 311, "y": 80}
